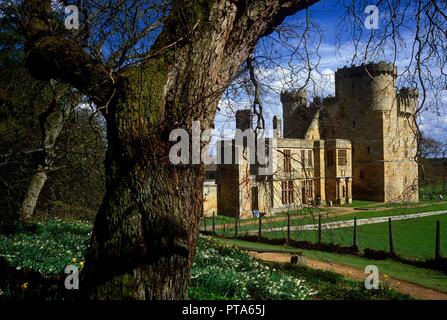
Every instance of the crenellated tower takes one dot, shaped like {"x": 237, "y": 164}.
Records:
{"x": 292, "y": 103}
{"x": 379, "y": 120}
{"x": 300, "y": 118}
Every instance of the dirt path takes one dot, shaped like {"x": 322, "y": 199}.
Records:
{"x": 413, "y": 290}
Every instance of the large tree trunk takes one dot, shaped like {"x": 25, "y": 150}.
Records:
{"x": 146, "y": 230}
{"x": 145, "y": 233}
{"x": 147, "y": 227}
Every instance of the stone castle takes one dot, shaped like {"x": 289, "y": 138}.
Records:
{"x": 360, "y": 144}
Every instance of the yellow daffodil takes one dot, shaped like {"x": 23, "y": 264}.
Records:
{"x": 73, "y": 259}
{"x": 25, "y": 285}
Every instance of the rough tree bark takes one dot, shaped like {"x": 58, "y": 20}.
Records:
{"x": 146, "y": 230}
{"x": 32, "y": 193}
{"x": 51, "y": 123}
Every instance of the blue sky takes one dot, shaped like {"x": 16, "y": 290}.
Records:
{"x": 335, "y": 50}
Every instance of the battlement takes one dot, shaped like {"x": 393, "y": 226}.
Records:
{"x": 298, "y": 97}
{"x": 319, "y": 102}
{"x": 370, "y": 69}
{"x": 408, "y": 101}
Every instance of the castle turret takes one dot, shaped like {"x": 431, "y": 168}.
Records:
{"x": 408, "y": 101}
{"x": 291, "y": 100}
{"x": 373, "y": 85}
{"x": 244, "y": 119}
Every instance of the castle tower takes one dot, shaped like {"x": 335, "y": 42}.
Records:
{"x": 401, "y": 146}
{"x": 300, "y": 120}
{"x": 244, "y": 119}
{"x": 292, "y": 102}
{"x": 368, "y": 112}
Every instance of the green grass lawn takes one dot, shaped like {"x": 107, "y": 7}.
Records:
{"x": 421, "y": 276}
{"x": 310, "y": 214}
{"x": 361, "y": 203}
{"x": 413, "y": 238}
{"x": 395, "y": 210}
{"x": 311, "y": 217}
{"x": 303, "y": 217}
{"x": 220, "y": 220}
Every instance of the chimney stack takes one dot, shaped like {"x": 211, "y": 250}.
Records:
{"x": 277, "y": 127}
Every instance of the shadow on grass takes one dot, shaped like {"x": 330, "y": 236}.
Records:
{"x": 30, "y": 285}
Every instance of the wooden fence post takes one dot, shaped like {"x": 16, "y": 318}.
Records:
{"x": 214, "y": 223}
{"x": 319, "y": 229}
{"x": 390, "y": 238}
{"x": 438, "y": 241}
{"x": 204, "y": 223}
{"x": 354, "y": 235}
{"x": 260, "y": 228}
{"x": 224, "y": 228}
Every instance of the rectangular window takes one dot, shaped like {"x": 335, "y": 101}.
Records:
{"x": 290, "y": 195}
{"x": 310, "y": 188}
{"x": 342, "y": 158}
{"x": 309, "y": 158}
{"x": 303, "y": 158}
{"x": 287, "y": 192}
{"x": 287, "y": 162}
{"x": 308, "y": 191}
{"x": 284, "y": 192}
